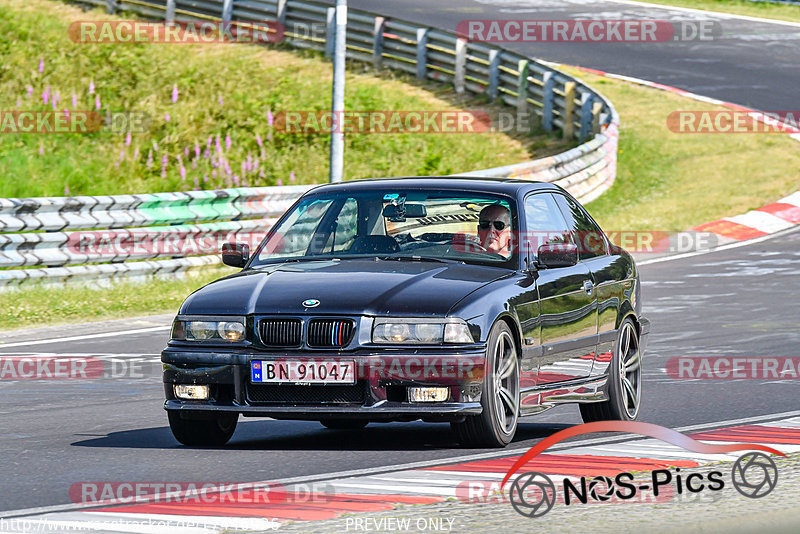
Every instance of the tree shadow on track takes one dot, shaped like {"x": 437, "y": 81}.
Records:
{"x": 310, "y": 435}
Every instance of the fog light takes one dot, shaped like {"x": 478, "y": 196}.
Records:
{"x": 191, "y": 392}
{"x": 428, "y": 394}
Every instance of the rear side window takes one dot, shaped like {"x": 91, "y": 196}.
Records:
{"x": 589, "y": 237}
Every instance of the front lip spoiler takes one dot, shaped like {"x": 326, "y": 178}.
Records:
{"x": 379, "y": 409}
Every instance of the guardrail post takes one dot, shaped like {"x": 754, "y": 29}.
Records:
{"x": 330, "y": 31}
{"x": 422, "y": 53}
{"x": 111, "y": 6}
{"x": 522, "y": 87}
{"x": 227, "y": 10}
{"x": 569, "y": 109}
{"x": 461, "y": 65}
{"x": 281, "y": 12}
{"x": 377, "y": 47}
{"x": 548, "y": 97}
{"x": 587, "y": 99}
{"x": 597, "y": 109}
{"x": 169, "y": 16}
{"x": 494, "y": 73}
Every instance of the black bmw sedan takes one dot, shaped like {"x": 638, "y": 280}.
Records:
{"x": 464, "y": 300}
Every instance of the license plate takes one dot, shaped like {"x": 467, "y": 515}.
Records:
{"x": 303, "y": 372}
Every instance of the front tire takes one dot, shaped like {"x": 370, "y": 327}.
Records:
{"x": 624, "y": 380}
{"x": 497, "y": 423}
{"x": 206, "y": 432}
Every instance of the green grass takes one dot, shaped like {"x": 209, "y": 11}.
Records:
{"x": 251, "y": 82}
{"x": 40, "y": 305}
{"x": 669, "y": 181}
{"x": 740, "y": 7}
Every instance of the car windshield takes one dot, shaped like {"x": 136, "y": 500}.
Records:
{"x": 396, "y": 224}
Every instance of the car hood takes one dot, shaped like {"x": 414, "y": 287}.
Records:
{"x": 349, "y": 287}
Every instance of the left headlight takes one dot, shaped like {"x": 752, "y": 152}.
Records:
{"x": 421, "y": 331}
{"x": 202, "y": 329}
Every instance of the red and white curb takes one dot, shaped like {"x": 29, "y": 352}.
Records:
{"x": 425, "y": 485}
{"x": 770, "y": 219}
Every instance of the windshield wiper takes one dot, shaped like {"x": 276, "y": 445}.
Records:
{"x": 419, "y": 258}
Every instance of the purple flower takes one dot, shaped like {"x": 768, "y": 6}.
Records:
{"x": 66, "y": 190}
{"x": 97, "y": 102}
{"x": 183, "y": 173}
{"x": 19, "y": 102}
{"x": 256, "y": 163}
{"x": 206, "y": 154}
{"x": 221, "y": 102}
{"x": 149, "y": 159}
{"x": 136, "y": 154}
{"x": 217, "y": 144}
{"x": 259, "y": 141}
{"x": 236, "y": 181}
{"x": 54, "y": 105}
{"x": 91, "y": 87}
{"x": 270, "y": 118}
{"x": 291, "y": 176}
{"x": 261, "y": 174}
{"x": 164, "y": 161}
{"x": 46, "y": 95}
{"x": 196, "y": 184}
{"x": 205, "y": 178}
{"x": 228, "y": 142}
{"x": 249, "y": 162}
{"x": 41, "y": 149}
{"x": 166, "y": 117}
{"x": 66, "y": 113}
{"x": 41, "y": 65}
{"x": 174, "y": 93}
{"x": 128, "y": 139}
{"x": 279, "y": 182}
{"x": 213, "y": 174}
{"x": 155, "y": 146}
{"x": 30, "y": 90}
{"x": 194, "y": 164}
{"x": 196, "y": 150}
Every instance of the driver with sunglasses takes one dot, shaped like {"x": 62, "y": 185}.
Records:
{"x": 494, "y": 229}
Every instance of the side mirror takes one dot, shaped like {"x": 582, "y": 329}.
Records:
{"x": 235, "y": 254}
{"x": 554, "y": 255}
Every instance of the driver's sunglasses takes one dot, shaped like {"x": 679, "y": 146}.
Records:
{"x": 498, "y": 225}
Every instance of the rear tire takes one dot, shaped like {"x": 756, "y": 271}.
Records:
{"x": 497, "y": 423}
{"x": 624, "y": 380}
{"x": 212, "y": 432}
{"x": 344, "y": 424}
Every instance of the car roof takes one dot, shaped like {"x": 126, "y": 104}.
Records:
{"x": 508, "y": 186}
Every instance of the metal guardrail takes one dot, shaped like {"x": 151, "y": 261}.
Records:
{"x": 38, "y": 235}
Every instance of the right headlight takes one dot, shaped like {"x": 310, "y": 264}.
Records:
{"x": 421, "y": 331}
{"x": 202, "y": 329}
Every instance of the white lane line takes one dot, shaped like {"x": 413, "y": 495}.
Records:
{"x": 436, "y": 462}
{"x": 80, "y": 338}
{"x": 709, "y": 12}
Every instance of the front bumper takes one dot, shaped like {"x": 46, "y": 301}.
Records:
{"x": 380, "y": 391}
